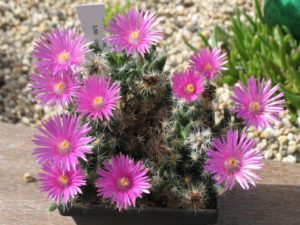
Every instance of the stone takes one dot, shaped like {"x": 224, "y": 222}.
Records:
{"x": 290, "y": 159}
{"x": 286, "y": 122}
{"x": 262, "y": 144}
{"x": 291, "y": 136}
{"x": 25, "y": 120}
{"x": 278, "y": 156}
{"x": 269, "y": 133}
{"x": 27, "y": 177}
{"x": 283, "y": 140}
{"x": 180, "y": 10}
{"x": 292, "y": 148}
{"x": 268, "y": 154}
{"x": 168, "y": 31}
{"x": 274, "y": 147}
{"x": 298, "y": 140}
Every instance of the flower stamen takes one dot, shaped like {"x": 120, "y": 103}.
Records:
{"x": 63, "y": 57}
{"x": 232, "y": 165}
{"x": 207, "y": 67}
{"x": 134, "y": 37}
{"x": 123, "y": 183}
{"x": 64, "y": 147}
{"x": 190, "y": 89}
{"x": 255, "y": 107}
{"x": 63, "y": 180}
{"x": 98, "y": 102}
{"x": 59, "y": 88}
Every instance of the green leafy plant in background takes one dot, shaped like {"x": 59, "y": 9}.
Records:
{"x": 112, "y": 9}
{"x": 256, "y": 49}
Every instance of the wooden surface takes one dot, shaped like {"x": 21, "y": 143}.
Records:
{"x": 275, "y": 201}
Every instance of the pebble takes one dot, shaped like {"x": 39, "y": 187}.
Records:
{"x": 291, "y": 136}
{"x": 262, "y": 144}
{"x": 278, "y": 156}
{"x": 274, "y": 147}
{"x": 269, "y": 154}
{"x": 27, "y": 177}
{"x": 282, "y": 139}
{"x": 290, "y": 159}
{"x": 286, "y": 121}
{"x": 292, "y": 148}
{"x": 269, "y": 133}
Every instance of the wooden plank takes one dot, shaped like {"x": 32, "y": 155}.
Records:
{"x": 22, "y": 203}
{"x": 274, "y": 201}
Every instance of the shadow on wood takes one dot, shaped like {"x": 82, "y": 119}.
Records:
{"x": 264, "y": 205}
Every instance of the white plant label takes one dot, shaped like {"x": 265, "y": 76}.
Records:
{"x": 91, "y": 19}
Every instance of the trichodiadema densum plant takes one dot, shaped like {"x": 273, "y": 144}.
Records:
{"x": 134, "y": 135}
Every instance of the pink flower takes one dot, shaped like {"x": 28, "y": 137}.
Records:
{"x": 123, "y": 181}
{"x": 209, "y": 63}
{"x": 134, "y": 32}
{"x": 188, "y": 85}
{"x": 60, "y": 50}
{"x": 233, "y": 159}
{"x": 60, "y": 185}
{"x": 98, "y": 98}
{"x": 54, "y": 89}
{"x": 257, "y": 104}
{"x": 62, "y": 141}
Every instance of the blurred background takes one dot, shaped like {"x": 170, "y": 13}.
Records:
{"x": 253, "y": 47}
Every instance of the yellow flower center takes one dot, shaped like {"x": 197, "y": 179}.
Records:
{"x": 207, "y": 67}
{"x": 64, "y": 147}
{"x": 59, "y": 88}
{"x": 134, "y": 37}
{"x": 63, "y": 57}
{"x": 63, "y": 179}
{"x": 98, "y": 101}
{"x": 123, "y": 183}
{"x": 232, "y": 165}
{"x": 190, "y": 88}
{"x": 255, "y": 107}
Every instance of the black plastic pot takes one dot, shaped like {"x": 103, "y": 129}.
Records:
{"x": 100, "y": 215}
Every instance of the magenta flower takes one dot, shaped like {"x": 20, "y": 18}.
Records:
{"x": 134, "y": 32}
{"x": 60, "y": 50}
{"x": 98, "y": 97}
{"x": 123, "y": 181}
{"x": 54, "y": 89}
{"x": 234, "y": 159}
{"x": 188, "y": 85}
{"x": 257, "y": 104}
{"x": 62, "y": 141}
{"x": 60, "y": 185}
{"x": 209, "y": 62}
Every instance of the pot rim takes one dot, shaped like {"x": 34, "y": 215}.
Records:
{"x": 93, "y": 210}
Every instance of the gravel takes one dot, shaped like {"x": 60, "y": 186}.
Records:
{"x": 22, "y": 23}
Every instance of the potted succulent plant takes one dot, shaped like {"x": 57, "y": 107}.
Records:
{"x": 135, "y": 144}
